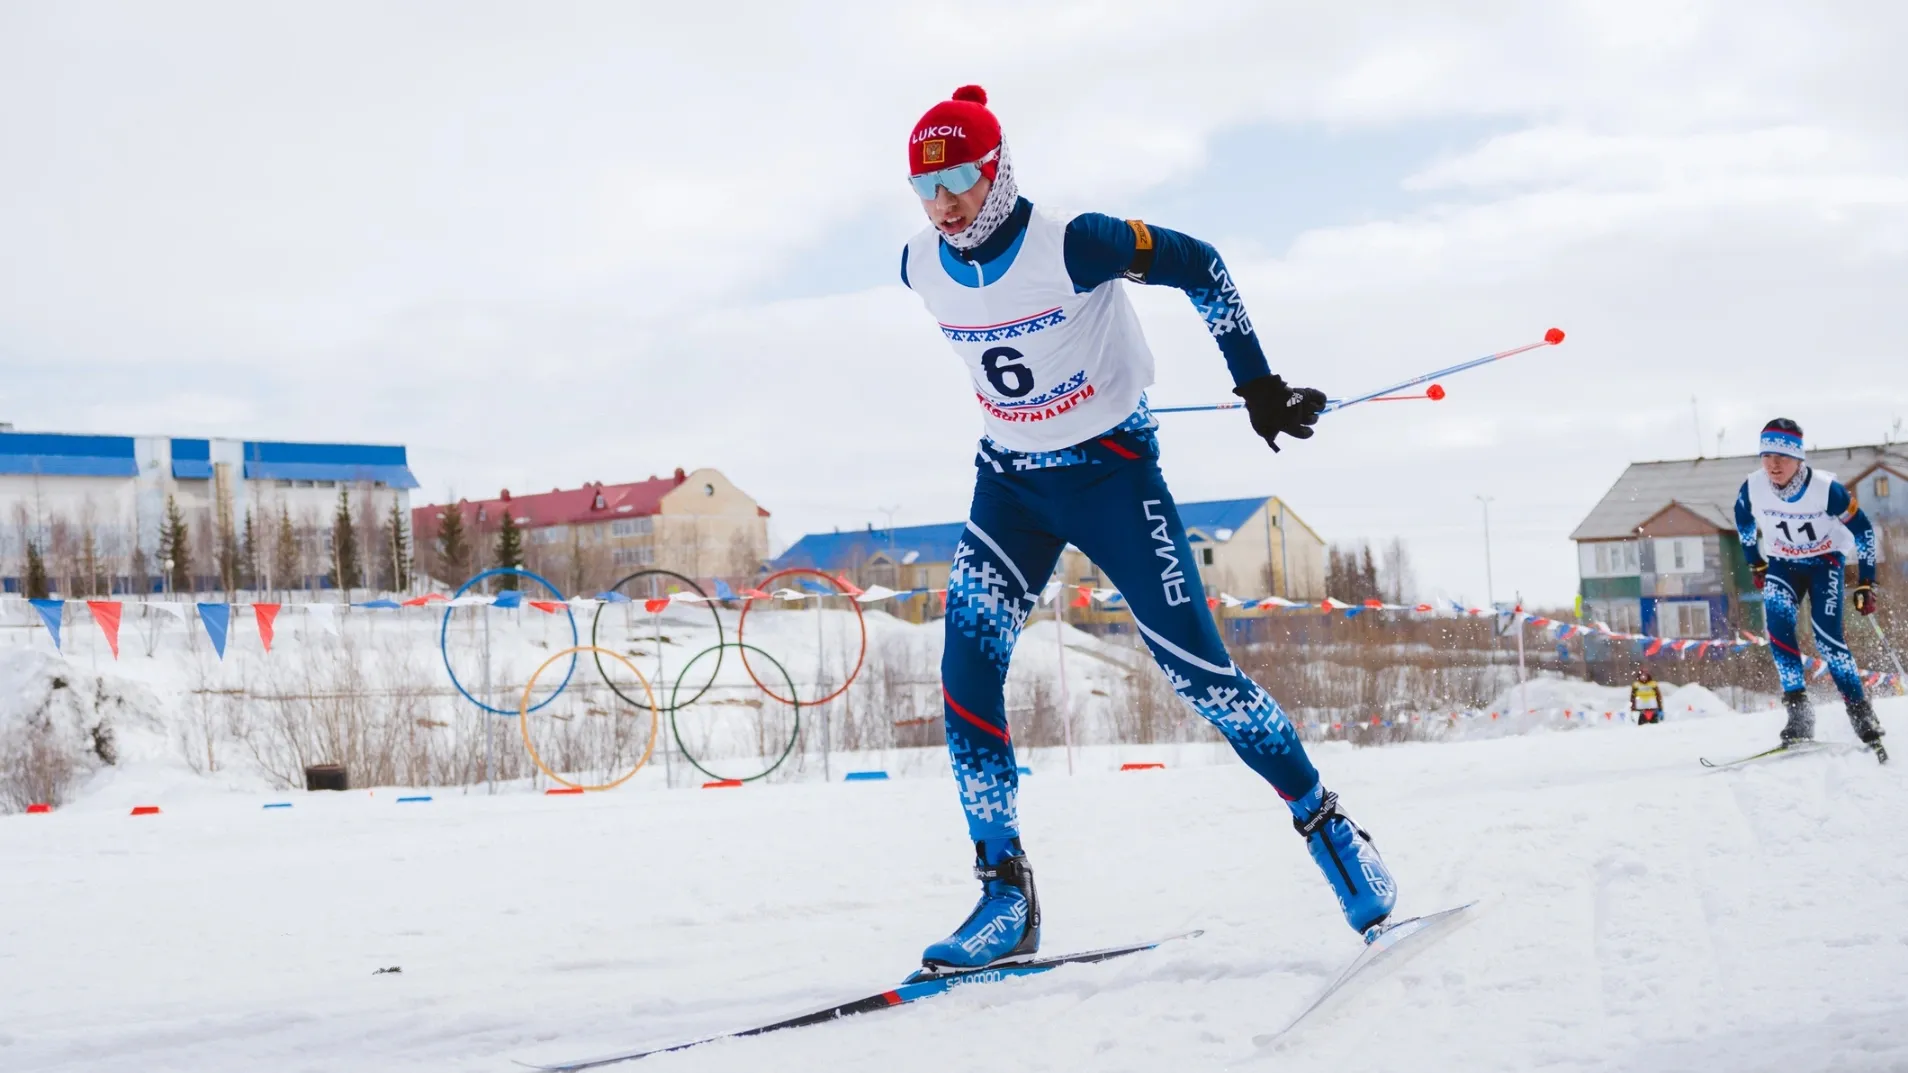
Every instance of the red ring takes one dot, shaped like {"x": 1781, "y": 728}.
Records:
{"x": 860, "y": 620}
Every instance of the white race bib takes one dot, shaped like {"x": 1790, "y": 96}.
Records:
{"x": 1051, "y": 366}
{"x": 1802, "y": 529}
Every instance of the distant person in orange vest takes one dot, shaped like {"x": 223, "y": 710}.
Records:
{"x": 1646, "y": 698}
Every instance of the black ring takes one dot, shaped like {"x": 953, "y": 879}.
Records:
{"x": 714, "y": 612}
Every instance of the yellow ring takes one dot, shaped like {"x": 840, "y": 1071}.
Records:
{"x": 523, "y": 717}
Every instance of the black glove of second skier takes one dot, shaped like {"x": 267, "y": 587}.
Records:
{"x": 1276, "y": 408}
{"x": 1863, "y": 597}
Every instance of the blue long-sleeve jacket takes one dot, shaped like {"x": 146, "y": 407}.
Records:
{"x": 1099, "y": 248}
{"x": 1842, "y": 506}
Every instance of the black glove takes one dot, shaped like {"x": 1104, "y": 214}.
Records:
{"x": 1863, "y": 597}
{"x": 1275, "y": 408}
{"x": 1760, "y": 572}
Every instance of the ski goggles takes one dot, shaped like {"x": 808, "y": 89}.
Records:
{"x": 958, "y": 179}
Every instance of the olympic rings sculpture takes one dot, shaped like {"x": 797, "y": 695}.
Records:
{"x": 675, "y": 706}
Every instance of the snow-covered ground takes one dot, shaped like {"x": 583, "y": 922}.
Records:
{"x": 1639, "y": 913}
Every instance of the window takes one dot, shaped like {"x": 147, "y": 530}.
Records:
{"x": 1682, "y": 618}
{"x": 1881, "y": 486}
{"x": 1608, "y": 558}
{"x": 599, "y": 502}
{"x": 708, "y": 489}
{"x": 633, "y": 556}
{"x": 1205, "y": 556}
{"x": 1679, "y": 555}
{"x": 552, "y": 534}
{"x": 628, "y": 527}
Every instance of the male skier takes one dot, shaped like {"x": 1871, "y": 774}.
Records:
{"x": 1797, "y": 525}
{"x": 1036, "y": 306}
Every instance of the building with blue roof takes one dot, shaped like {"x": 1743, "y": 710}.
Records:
{"x": 93, "y": 505}
{"x": 1246, "y": 547}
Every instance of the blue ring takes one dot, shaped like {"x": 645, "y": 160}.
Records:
{"x": 443, "y": 638}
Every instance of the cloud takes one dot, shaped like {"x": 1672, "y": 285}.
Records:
{"x": 526, "y": 244}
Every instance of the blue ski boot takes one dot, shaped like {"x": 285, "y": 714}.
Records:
{"x": 1344, "y": 852}
{"x": 1005, "y": 924}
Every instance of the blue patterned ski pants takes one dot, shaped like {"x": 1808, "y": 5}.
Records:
{"x": 1114, "y": 506}
{"x": 1782, "y": 591}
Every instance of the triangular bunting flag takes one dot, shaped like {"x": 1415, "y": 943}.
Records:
{"x": 723, "y": 591}
{"x": 50, "y": 613}
{"x": 266, "y": 614}
{"x": 549, "y": 607}
{"x": 218, "y": 623}
{"x": 107, "y": 613}
{"x": 509, "y": 598}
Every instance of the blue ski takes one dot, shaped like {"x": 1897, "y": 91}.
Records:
{"x": 915, "y": 988}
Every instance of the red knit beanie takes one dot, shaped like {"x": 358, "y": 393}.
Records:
{"x": 956, "y": 131}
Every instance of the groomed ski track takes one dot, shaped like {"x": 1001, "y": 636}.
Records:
{"x": 1639, "y": 913}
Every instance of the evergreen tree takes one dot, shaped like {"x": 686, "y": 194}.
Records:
{"x": 344, "y": 545}
{"x": 228, "y": 547}
{"x": 35, "y": 572}
{"x": 89, "y": 562}
{"x": 285, "y": 553}
{"x": 175, "y": 544}
{"x": 398, "y": 532}
{"x": 248, "y": 554}
{"x": 453, "y": 549}
{"x": 509, "y": 547}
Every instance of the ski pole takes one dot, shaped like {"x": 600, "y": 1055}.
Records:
{"x": 1386, "y": 394}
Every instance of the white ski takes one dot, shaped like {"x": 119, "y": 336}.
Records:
{"x": 1412, "y": 935}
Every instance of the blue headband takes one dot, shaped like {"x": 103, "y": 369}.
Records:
{"x": 1777, "y": 442}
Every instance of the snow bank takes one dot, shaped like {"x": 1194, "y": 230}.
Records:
{"x": 1638, "y": 913}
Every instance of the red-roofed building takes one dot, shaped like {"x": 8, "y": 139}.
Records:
{"x": 583, "y": 539}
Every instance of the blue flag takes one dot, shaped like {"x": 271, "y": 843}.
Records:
{"x": 723, "y": 591}
{"x": 218, "y": 622}
{"x": 510, "y": 598}
{"x": 50, "y": 612}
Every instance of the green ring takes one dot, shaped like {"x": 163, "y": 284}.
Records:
{"x": 675, "y": 731}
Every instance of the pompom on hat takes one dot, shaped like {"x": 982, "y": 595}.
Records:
{"x": 959, "y": 130}
{"x": 1783, "y": 437}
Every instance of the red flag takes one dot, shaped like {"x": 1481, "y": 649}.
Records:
{"x": 548, "y": 607}
{"x": 106, "y": 613}
{"x": 420, "y": 601}
{"x": 1655, "y": 647}
{"x": 1376, "y": 605}
{"x": 846, "y": 585}
{"x": 265, "y": 614}
{"x": 755, "y": 594}
{"x": 656, "y": 605}
{"x": 1084, "y": 597}
{"x": 1212, "y": 603}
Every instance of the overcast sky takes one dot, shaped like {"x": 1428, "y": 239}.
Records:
{"x": 543, "y": 244}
